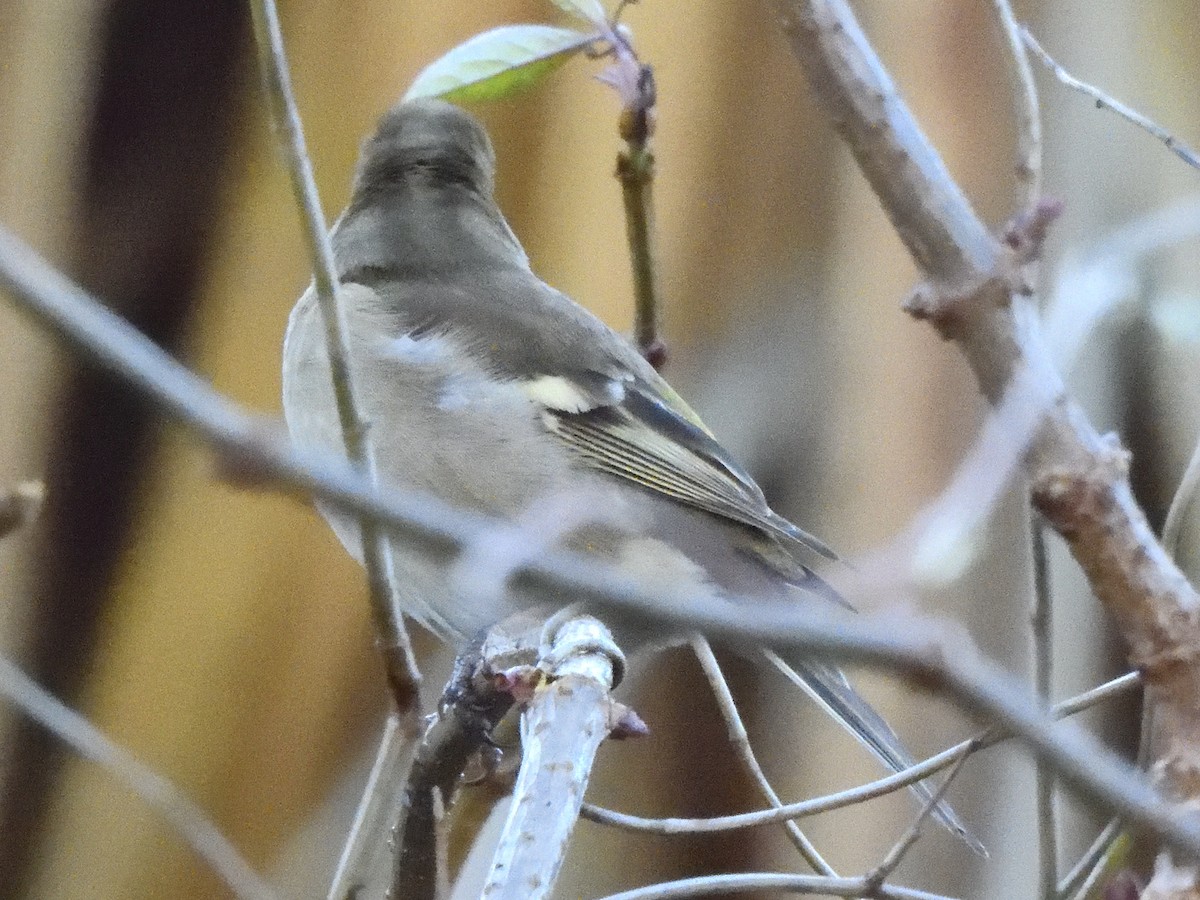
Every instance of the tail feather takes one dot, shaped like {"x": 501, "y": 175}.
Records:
{"x": 827, "y": 686}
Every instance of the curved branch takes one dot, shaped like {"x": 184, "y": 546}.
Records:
{"x": 975, "y": 295}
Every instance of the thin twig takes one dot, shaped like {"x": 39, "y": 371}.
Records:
{"x": 1043, "y": 653}
{"x": 185, "y": 817}
{"x": 770, "y": 882}
{"x": 372, "y": 817}
{"x": 635, "y": 171}
{"x": 440, "y": 529}
{"x": 870, "y": 791}
{"x": 1075, "y": 883}
{"x": 745, "y": 752}
{"x": 1028, "y": 111}
{"x": 399, "y": 661}
{"x": 1104, "y": 101}
{"x": 895, "y": 856}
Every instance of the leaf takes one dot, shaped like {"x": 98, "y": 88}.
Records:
{"x": 499, "y": 62}
{"x": 587, "y": 10}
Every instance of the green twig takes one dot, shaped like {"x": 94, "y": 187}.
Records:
{"x": 635, "y": 171}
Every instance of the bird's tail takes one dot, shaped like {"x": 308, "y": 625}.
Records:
{"x": 829, "y": 688}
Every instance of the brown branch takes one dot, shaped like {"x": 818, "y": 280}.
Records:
{"x": 476, "y": 698}
{"x": 974, "y": 295}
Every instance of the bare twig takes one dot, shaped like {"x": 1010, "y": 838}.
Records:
{"x": 974, "y": 295}
{"x": 1104, "y": 101}
{"x": 745, "y": 752}
{"x": 1077, "y": 882}
{"x": 440, "y": 529}
{"x": 1043, "y": 654}
{"x": 400, "y": 664}
{"x": 770, "y": 882}
{"x": 635, "y": 171}
{"x": 185, "y": 817}
{"x": 895, "y": 856}
{"x": 19, "y": 505}
{"x": 1029, "y": 119}
{"x": 870, "y": 791}
{"x": 561, "y": 730}
{"x": 373, "y": 816}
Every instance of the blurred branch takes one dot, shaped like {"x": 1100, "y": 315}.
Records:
{"x": 401, "y": 666}
{"x": 1104, "y": 101}
{"x": 561, "y": 730}
{"x": 438, "y": 529}
{"x": 975, "y": 296}
{"x": 374, "y": 814}
{"x": 878, "y": 788}
{"x": 1084, "y": 873}
{"x": 771, "y": 882}
{"x": 185, "y": 817}
{"x": 19, "y": 506}
{"x": 1043, "y": 672}
{"x": 1181, "y": 502}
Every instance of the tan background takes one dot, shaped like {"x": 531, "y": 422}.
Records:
{"x": 233, "y": 652}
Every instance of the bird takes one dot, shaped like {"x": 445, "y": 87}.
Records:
{"x": 486, "y": 387}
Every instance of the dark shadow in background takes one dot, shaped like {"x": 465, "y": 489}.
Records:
{"x": 169, "y": 75}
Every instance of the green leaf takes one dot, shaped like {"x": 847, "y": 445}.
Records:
{"x": 587, "y": 10}
{"x": 499, "y": 62}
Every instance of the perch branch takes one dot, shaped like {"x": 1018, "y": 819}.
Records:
{"x": 561, "y": 730}
{"x": 473, "y": 703}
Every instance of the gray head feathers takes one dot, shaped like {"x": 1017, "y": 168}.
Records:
{"x": 429, "y": 140}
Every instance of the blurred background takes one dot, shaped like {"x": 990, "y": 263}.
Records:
{"x": 221, "y": 633}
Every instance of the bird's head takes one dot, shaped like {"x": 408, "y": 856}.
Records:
{"x": 428, "y": 140}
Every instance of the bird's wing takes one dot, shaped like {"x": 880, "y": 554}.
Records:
{"x": 638, "y": 431}
{"x": 595, "y": 392}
